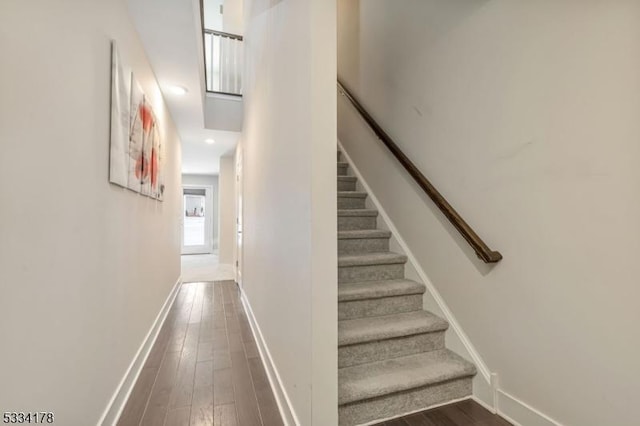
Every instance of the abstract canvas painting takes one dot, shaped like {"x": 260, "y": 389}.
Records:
{"x": 137, "y": 152}
{"x": 119, "y": 158}
{"x": 157, "y": 162}
{"x": 136, "y": 138}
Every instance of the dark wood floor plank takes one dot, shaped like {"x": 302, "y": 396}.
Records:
{"x": 183, "y": 390}
{"x": 266, "y": 401}
{"x": 220, "y": 339}
{"x": 219, "y": 319}
{"x": 159, "y": 347}
{"x": 251, "y": 350}
{"x": 223, "y": 387}
{"x": 205, "y": 351}
{"x": 202, "y": 401}
{"x": 395, "y": 422}
{"x": 440, "y": 418}
{"x": 476, "y": 411}
{"x": 178, "y": 417}
{"x": 225, "y": 415}
{"x": 206, "y": 331}
{"x": 191, "y": 339}
{"x": 245, "y": 329}
{"x": 204, "y": 368}
{"x": 235, "y": 342}
{"x": 418, "y": 420}
{"x": 221, "y": 359}
{"x": 455, "y": 414}
{"x": 134, "y": 409}
{"x": 463, "y": 413}
{"x": 158, "y": 404}
{"x": 244, "y": 393}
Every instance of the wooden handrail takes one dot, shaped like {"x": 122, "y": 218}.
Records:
{"x": 223, "y": 34}
{"x": 482, "y": 250}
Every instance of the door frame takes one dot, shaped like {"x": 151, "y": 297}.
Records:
{"x": 239, "y": 237}
{"x": 207, "y": 248}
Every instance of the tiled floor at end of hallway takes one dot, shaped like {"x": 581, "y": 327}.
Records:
{"x": 204, "y": 368}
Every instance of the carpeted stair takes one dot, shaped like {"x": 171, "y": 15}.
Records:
{"x": 391, "y": 354}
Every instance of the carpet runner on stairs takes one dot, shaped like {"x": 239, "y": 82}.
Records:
{"x": 392, "y": 357}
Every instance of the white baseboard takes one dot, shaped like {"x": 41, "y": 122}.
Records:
{"x": 123, "y": 391}
{"x": 519, "y": 413}
{"x": 287, "y": 411}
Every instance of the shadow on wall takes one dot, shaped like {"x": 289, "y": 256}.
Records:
{"x": 364, "y": 136}
{"x": 435, "y": 20}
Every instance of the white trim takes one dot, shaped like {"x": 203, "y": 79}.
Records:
{"x": 215, "y": 95}
{"x": 519, "y": 413}
{"x": 287, "y": 412}
{"x": 123, "y": 391}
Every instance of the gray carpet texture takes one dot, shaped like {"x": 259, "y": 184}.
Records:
{"x": 392, "y": 357}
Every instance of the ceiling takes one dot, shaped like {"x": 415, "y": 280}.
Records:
{"x": 171, "y": 33}
{"x": 197, "y": 156}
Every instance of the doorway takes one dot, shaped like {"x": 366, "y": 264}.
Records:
{"x": 197, "y": 219}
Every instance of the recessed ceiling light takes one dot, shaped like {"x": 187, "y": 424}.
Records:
{"x": 177, "y": 90}
{"x": 209, "y": 141}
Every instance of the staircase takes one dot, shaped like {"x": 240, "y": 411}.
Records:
{"x": 391, "y": 354}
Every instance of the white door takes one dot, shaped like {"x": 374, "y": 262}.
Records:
{"x": 197, "y": 229}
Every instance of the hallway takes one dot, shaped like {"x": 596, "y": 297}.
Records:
{"x": 204, "y": 368}
{"x": 204, "y": 267}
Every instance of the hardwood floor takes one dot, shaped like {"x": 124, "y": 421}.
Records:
{"x": 464, "y": 413}
{"x": 204, "y": 368}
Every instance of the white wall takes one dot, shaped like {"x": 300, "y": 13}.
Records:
{"x": 232, "y": 18}
{"x": 525, "y": 116}
{"x": 230, "y": 21}
{"x": 212, "y": 17}
{"x": 227, "y": 209}
{"x": 81, "y": 282}
{"x": 212, "y": 181}
{"x": 223, "y": 112}
{"x": 289, "y": 189}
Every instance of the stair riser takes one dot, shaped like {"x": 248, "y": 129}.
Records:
{"x": 342, "y": 169}
{"x": 350, "y": 203}
{"x": 381, "y": 350}
{"x": 363, "y": 245}
{"x": 352, "y": 274}
{"x": 399, "y": 403}
{"x": 346, "y": 185}
{"x": 351, "y": 223}
{"x": 381, "y": 306}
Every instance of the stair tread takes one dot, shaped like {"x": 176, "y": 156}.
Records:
{"x": 386, "y": 258}
{"x": 357, "y": 212}
{"x": 363, "y": 234}
{"x": 352, "y": 194}
{"x": 400, "y": 374}
{"x": 347, "y": 178}
{"x": 342, "y": 164}
{"x": 362, "y": 330}
{"x": 378, "y": 289}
